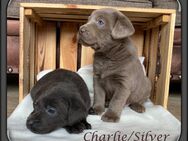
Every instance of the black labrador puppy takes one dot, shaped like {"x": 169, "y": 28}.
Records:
{"x": 60, "y": 99}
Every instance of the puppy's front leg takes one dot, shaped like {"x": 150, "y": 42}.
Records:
{"x": 78, "y": 127}
{"x": 116, "y": 105}
{"x": 99, "y": 97}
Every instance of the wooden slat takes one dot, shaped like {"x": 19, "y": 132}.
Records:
{"x": 146, "y": 49}
{"x": 33, "y": 16}
{"x": 32, "y": 55}
{"x": 63, "y": 11}
{"x": 65, "y": 20}
{"x": 138, "y": 40}
{"x": 140, "y": 19}
{"x": 85, "y": 10}
{"x": 139, "y": 25}
{"x": 63, "y": 16}
{"x": 46, "y": 47}
{"x": 153, "y": 59}
{"x": 24, "y": 55}
{"x": 93, "y": 7}
{"x": 85, "y": 17}
{"x": 46, "y": 41}
{"x": 166, "y": 46}
{"x": 87, "y": 56}
{"x": 68, "y": 46}
{"x": 164, "y": 19}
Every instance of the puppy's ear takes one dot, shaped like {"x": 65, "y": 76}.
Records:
{"x": 123, "y": 27}
{"x": 77, "y": 110}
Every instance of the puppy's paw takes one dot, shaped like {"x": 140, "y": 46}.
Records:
{"x": 76, "y": 128}
{"x": 137, "y": 107}
{"x": 92, "y": 111}
{"x": 110, "y": 116}
{"x": 87, "y": 125}
{"x": 96, "y": 110}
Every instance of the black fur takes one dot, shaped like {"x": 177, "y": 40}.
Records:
{"x": 60, "y": 99}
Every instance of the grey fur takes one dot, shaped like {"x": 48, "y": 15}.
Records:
{"x": 118, "y": 74}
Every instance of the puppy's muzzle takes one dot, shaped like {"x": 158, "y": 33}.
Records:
{"x": 83, "y": 30}
{"x": 33, "y": 125}
{"x": 33, "y": 121}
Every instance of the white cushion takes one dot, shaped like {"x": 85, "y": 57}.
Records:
{"x": 156, "y": 121}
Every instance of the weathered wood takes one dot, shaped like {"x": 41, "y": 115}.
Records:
{"x": 85, "y": 10}
{"x": 138, "y": 41}
{"x": 32, "y": 55}
{"x": 65, "y": 20}
{"x": 63, "y": 16}
{"x": 45, "y": 41}
{"x": 68, "y": 46}
{"x": 146, "y": 53}
{"x": 46, "y": 47}
{"x": 153, "y": 60}
{"x": 33, "y": 16}
{"x": 138, "y": 25}
{"x": 85, "y": 17}
{"x": 87, "y": 56}
{"x": 24, "y": 85}
{"x": 164, "y": 19}
{"x": 166, "y": 45}
{"x": 88, "y": 8}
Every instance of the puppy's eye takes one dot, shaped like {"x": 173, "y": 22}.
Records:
{"x": 100, "y": 22}
{"x": 35, "y": 104}
{"x": 51, "y": 111}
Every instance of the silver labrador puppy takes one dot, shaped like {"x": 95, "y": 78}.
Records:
{"x": 118, "y": 75}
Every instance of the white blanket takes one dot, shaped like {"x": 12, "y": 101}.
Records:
{"x": 153, "y": 125}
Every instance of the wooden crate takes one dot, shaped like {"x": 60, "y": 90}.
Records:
{"x": 48, "y": 41}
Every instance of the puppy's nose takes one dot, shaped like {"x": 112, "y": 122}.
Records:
{"x": 83, "y": 29}
{"x": 32, "y": 122}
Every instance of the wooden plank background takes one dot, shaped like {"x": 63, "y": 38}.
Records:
{"x": 86, "y": 56}
{"x": 138, "y": 41}
{"x": 68, "y": 45}
{"x": 45, "y": 52}
{"x": 166, "y": 46}
{"x": 32, "y": 55}
{"x": 153, "y": 59}
{"x": 45, "y": 46}
{"x": 24, "y": 85}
